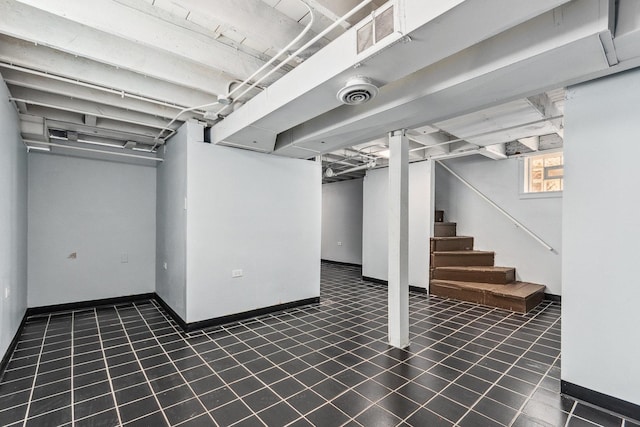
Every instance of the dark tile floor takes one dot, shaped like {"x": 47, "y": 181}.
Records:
{"x": 325, "y": 365}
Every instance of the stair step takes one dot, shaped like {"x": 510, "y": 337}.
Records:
{"x": 461, "y": 258}
{"x": 456, "y": 243}
{"x": 444, "y": 229}
{"x": 485, "y": 274}
{"x": 518, "y": 296}
{"x": 438, "y": 216}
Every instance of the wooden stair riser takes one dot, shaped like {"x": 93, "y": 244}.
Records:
{"x": 446, "y": 259}
{"x": 497, "y": 277}
{"x": 444, "y": 229}
{"x": 514, "y": 304}
{"x": 484, "y": 296}
{"x": 452, "y": 244}
{"x": 444, "y": 291}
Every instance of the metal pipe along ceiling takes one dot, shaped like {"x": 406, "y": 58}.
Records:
{"x": 309, "y": 43}
{"x": 257, "y": 82}
{"x": 121, "y": 93}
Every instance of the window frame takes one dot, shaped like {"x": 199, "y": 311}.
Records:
{"x": 522, "y": 172}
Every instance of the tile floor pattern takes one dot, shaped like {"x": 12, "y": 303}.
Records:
{"x": 324, "y": 365}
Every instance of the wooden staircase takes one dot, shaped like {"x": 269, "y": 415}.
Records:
{"x": 459, "y": 272}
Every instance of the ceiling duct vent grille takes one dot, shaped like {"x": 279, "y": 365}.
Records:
{"x": 357, "y": 91}
{"x": 380, "y": 25}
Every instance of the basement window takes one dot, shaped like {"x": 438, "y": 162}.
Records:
{"x": 543, "y": 174}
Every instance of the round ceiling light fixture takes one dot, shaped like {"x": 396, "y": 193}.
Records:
{"x": 358, "y": 90}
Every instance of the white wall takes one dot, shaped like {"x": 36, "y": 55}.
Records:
{"x": 600, "y": 314}
{"x": 13, "y": 222}
{"x": 171, "y": 221}
{"x": 101, "y": 210}
{"x": 375, "y": 231}
{"x": 499, "y": 180}
{"x": 254, "y": 212}
{"x": 342, "y": 221}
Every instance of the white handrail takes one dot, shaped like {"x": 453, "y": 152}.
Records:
{"x": 502, "y": 211}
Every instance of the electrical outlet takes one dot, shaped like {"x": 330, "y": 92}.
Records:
{"x": 164, "y": 265}
{"x": 236, "y": 273}
{"x": 339, "y": 243}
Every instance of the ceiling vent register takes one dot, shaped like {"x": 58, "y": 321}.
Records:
{"x": 358, "y": 90}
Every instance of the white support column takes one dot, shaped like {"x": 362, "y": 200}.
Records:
{"x": 398, "y": 239}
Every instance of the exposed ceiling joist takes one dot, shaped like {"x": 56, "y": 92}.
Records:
{"x": 35, "y": 97}
{"x": 150, "y": 33}
{"x": 41, "y": 27}
{"x": 80, "y": 119}
{"x": 500, "y": 124}
{"x": 26, "y": 56}
{"x": 43, "y": 84}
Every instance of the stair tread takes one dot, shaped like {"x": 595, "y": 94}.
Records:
{"x": 476, "y": 268}
{"x": 466, "y": 252}
{"x": 523, "y": 289}
{"x": 450, "y": 237}
{"x": 515, "y": 289}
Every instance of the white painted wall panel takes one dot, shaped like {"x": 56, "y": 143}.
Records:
{"x": 600, "y": 235}
{"x": 252, "y": 212}
{"x": 342, "y": 221}
{"x": 499, "y": 181}
{"x": 13, "y": 222}
{"x": 100, "y": 210}
{"x": 171, "y": 218}
{"x": 374, "y": 223}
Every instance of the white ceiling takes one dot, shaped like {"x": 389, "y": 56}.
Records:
{"x": 123, "y": 69}
{"x": 113, "y": 75}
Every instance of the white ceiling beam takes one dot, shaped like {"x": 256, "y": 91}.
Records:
{"x": 44, "y": 84}
{"x": 153, "y": 33}
{"x": 310, "y": 89}
{"x": 547, "y": 108}
{"x": 510, "y": 63}
{"x": 32, "y": 24}
{"x": 34, "y": 97}
{"x": 22, "y": 54}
